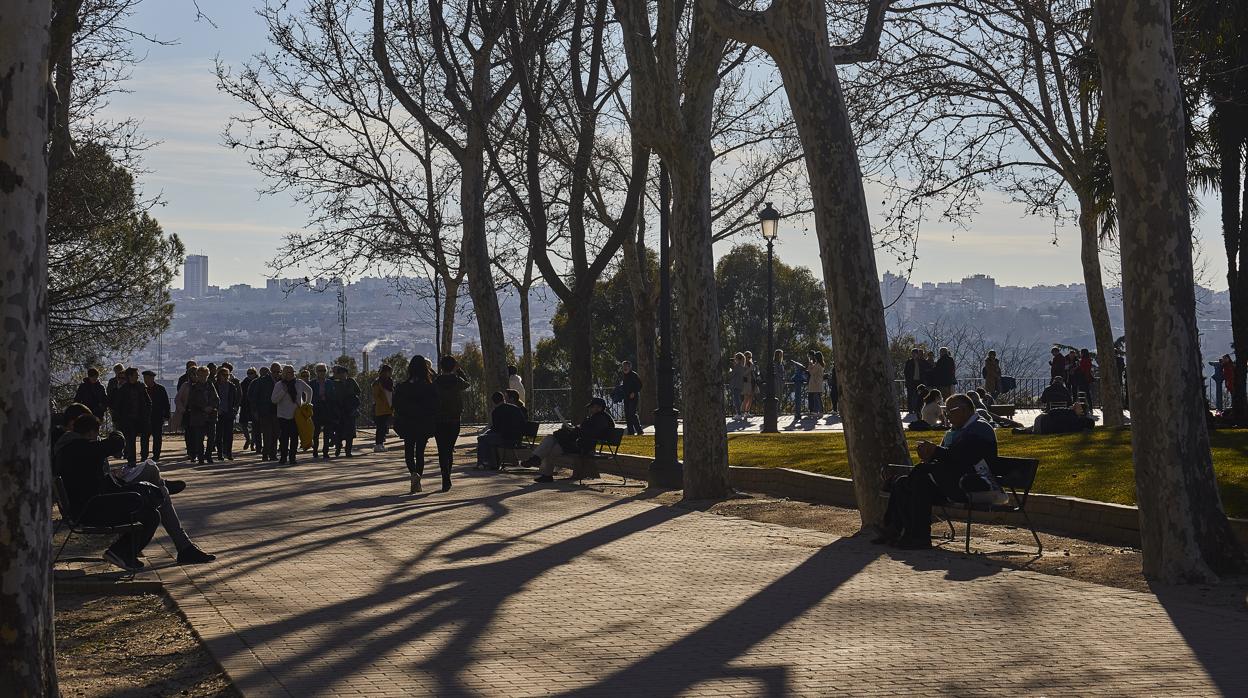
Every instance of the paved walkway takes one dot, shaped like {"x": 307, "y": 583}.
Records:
{"x": 332, "y": 581}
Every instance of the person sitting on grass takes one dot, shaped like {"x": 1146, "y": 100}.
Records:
{"x": 506, "y": 428}
{"x": 570, "y": 439}
{"x": 965, "y": 450}
{"x": 1055, "y": 394}
{"x": 931, "y": 414}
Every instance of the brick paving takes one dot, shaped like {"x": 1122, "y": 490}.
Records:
{"x": 331, "y": 580}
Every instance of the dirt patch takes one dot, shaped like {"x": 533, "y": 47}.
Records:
{"x": 1004, "y": 547}
{"x": 131, "y": 645}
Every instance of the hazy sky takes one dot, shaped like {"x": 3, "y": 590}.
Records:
{"x": 211, "y": 199}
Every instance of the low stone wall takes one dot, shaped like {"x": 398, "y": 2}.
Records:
{"x": 1115, "y": 524}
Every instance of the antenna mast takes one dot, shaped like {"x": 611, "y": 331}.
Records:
{"x": 342, "y": 316}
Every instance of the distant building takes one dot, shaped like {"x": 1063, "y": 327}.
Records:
{"x": 981, "y": 287}
{"x": 195, "y": 276}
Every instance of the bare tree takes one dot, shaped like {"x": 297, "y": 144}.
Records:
{"x": 1003, "y": 94}
{"x": 27, "y": 646}
{"x": 672, "y": 110}
{"x": 1183, "y": 528}
{"x": 795, "y": 34}
{"x": 464, "y": 39}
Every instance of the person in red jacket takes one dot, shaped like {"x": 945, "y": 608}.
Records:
{"x": 1228, "y": 373}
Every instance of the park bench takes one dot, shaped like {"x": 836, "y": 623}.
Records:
{"x": 1016, "y": 476}
{"x": 75, "y": 526}
{"x": 527, "y": 442}
{"x": 1006, "y": 411}
{"x": 585, "y": 465}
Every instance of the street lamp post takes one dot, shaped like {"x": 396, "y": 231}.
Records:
{"x": 769, "y": 220}
{"x": 666, "y": 470}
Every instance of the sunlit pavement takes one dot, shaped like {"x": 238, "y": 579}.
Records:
{"x": 332, "y": 580}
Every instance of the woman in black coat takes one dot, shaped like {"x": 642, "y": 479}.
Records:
{"x": 415, "y": 401}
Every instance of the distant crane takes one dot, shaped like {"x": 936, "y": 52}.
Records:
{"x": 342, "y": 316}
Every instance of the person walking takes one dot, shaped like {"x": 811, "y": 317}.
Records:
{"x": 132, "y": 409}
{"x": 629, "y": 385}
{"x": 736, "y": 382}
{"x": 288, "y": 394}
{"x": 814, "y": 386}
{"x": 415, "y": 402}
{"x": 261, "y": 395}
{"x": 201, "y": 415}
{"x": 228, "y": 394}
{"x": 514, "y": 382}
{"x": 322, "y": 412}
{"x": 345, "y": 409}
{"x": 945, "y": 372}
{"x": 244, "y": 406}
{"x": 154, "y": 433}
{"x": 992, "y": 374}
{"x": 450, "y": 386}
{"x": 92, "y": 394}
{"x": 383, "y": 397}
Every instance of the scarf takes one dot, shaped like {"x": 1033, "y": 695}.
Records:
{"x": 294, "y": 391}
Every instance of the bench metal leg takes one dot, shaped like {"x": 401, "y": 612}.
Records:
{"x": 969, "y": 513}
{"x": 944, "y": 514}
{"x": 1039, "y": 545}
{"x": 63, "y": 544}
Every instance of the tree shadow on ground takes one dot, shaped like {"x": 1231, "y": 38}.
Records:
{"x": 1217, "y": 637}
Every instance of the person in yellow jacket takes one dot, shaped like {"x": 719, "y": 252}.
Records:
{"x": 383, "y": 410}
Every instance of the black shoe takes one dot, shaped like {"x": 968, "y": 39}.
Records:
{"x": 192, "y": 555}
{"x": 907, "y": 543}
{"x": 282, "y": 462}
{"x": 175, "y": 486}
{"x": 293, "y": 461}
{"x": 446, "y": 484}
{"x": 544, "y": 479}
{"x": 532, "y": 462}
{"x": 125, "y": 562}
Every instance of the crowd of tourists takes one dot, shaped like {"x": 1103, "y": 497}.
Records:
{"x": 809, "y": 386}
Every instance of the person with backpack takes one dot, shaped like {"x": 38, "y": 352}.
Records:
{"x": 449, "y": 386}
{"x": 415, "y": 402}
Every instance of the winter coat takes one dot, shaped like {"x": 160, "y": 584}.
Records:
{"x": 450, "y": 388}
{"x": 202, "y": 403}
{"x": 160, "y": 403}
{"x": 415, "y": 403}
{"x": 285, "y": 402}
{"x": 94, "y": 396}
{"x": 132, "y": 406}
{"x": 345, "y": 406}
{"x": 229, "y": 395}
{"x": 945, "y": 372}
{"x": 992, "y": 375}
{"x": 244, "y": 398}
{"x": 260, "y": 395}
{"x": 381, "y": 400}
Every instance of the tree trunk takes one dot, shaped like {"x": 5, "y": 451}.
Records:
{"x": 526, "y": 338}
{"x": 1230, "y": 144}
{"x": 1183, "y": 529}
{"x": 480, "y": 269}
{"x": 450, "y": 301}
{"x": 645, "y": 320}
{"x": 27, "y": 647}
{"x": 701, "y": 379}
{"x": 581, "y": 352}
{"x": 873, "y": 432}
{"x": 1102, "y": 330}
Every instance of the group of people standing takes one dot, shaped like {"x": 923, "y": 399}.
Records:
{"x": 1077, "y": 369}
{"x": 138, "y": 409}
{"x": 808, "y": 383}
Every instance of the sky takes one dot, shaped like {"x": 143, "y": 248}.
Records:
{"x": 211, "y": 200}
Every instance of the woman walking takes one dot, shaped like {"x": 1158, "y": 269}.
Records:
{"x": 449, "y": 386}
{"x": 383, "y": 411}
{"x": 736, "y": 381}
{"x": 415, "y": 402}
{"x": 288, "y": 394}
{"x": 814, "y": 385}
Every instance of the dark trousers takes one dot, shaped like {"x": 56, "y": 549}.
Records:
{"x": 910, "y": 504}
{"x": 913, "y": 399}
{"x": 383, "y": 427}
{"x": 153, "y": 435}
{"x": 322, "y": 429}
{"x": 244, "y": 423}
{"x": 131, "y": 433}
{"x": 487, "y": 448}
{"x": 414, "y": 453}
{"x": 267, "y": 433}
{"x": 445, "y": 434}
{"x": 287, "y": 439}
{"x": 631, "y": 419}
{"x": 195, "y": 435}
{"x": 815, "y": 402}
{"x": 225, "y": 436}
{"x": 118, "y": 509}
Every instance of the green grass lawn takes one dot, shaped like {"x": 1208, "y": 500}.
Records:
{"x": 1093, "y": 465}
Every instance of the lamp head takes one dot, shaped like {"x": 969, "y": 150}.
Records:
{"x": 769, "y": 219}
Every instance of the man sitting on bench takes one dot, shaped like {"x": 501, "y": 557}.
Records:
{"x": 569, "y": 439}
{"x": 1055, "y": 394}
{"x": 506, "y": 429}
{"x": 970, "y": 443}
